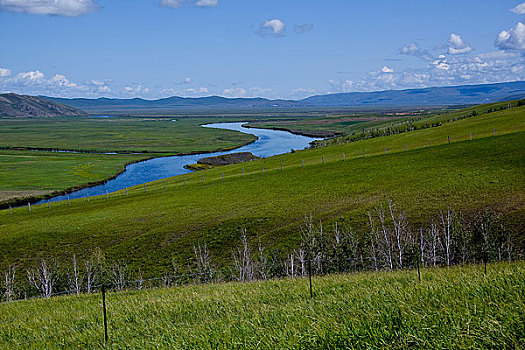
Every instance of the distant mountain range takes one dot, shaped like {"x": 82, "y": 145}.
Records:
{"x": 12, "y": 105}
{"x": 19, "y": 106}
{"x": 427, "y": 97}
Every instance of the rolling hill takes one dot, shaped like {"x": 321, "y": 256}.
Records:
{"x": 21, "y": 106}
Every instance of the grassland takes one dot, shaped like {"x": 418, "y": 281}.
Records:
{"x": 352, "y": 124}
{"x": 456, "y": 308}
{"x": 26, "y": 173}
{"x": 148, "y": 229}
{"x": 153, "y": 135}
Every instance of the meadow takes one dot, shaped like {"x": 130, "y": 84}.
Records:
{"x": 148, "y": 230}
{"x": 451, "y": 308}
{"x": 29, "y": 173}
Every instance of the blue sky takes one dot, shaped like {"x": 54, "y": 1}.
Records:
{"x": 246, "y": 48}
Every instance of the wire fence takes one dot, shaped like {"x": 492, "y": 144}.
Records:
{"x": 182, "y": 180}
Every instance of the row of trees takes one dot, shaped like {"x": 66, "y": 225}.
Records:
{"x": 388, "y": 242}
{"x": 410, "y": 125}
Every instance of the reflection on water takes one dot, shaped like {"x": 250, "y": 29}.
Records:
{"x": 269, "y": 143}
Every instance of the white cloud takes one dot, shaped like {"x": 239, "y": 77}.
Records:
{"x": 302, "y": 28}
{"x": 30, "y": 77}
{"x": 187, "y": 80}
{"x": 234, "y": 92}
{"x": 173, "y": 3}
{"x": 67, "y": 8}
{"x": 207, "y": 3}
{"x": 519, "y": 9}
{"x": 385, "y": 69}
{"x": 61, "y": 80}
{"x": 274, "y": 27}
{"x": 456, "y": 45}
{"x": 513, "y": 39}
{"x": 441, "y": 63}
{"x": 135, "y": 90}
{"x": 492, "y": 67}
{"x": 414, "y": 50}
{"x": 4, "y": 72}
{"x": 36, "y": 83}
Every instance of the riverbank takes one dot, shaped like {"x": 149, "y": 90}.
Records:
{"x": 32, "y": 199}
{"x": 315, "y": 134}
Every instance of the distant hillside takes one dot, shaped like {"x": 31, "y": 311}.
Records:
{"x": 428, "y": 97}
{"x": 20, "y": 106}
{"x": 436, "y": 96}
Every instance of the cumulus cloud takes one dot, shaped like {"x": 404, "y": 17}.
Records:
{"x": 274, "y": 27}
{"x": 134, "y": 90}
{"x": 302, "y": 28}
{"x": 514, "y": 39}
{"x": 67, "y": 8}
{"x": 173, "y": 3}
{"x": 493, "y": 67}
{"x": 4, "y": 72}
{"x": 385, "y": 69}
{"x": 456, "y": 45}
{"x": 414, "y": 50}
{"x": 519, "y": 9}
{"x": 36, "y": 83}
{"x": 207, "y": 3}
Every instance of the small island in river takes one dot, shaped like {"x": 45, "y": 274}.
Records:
{"x": 225, "y": 159}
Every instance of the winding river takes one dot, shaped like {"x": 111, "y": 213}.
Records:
{"x": 269, "y": 143}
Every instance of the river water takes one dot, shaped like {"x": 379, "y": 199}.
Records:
{"x": 269, "y": 143}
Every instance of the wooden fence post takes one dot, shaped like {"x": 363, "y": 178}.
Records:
{"x": 310, "y": 278}
{"x": 323, "y": 159}
{"x": 222, "y": 174}
{"x": 302, "y": 163}
{"x": 449, "y": 139}
{"x": 203, "y": 181}
{"x": 48, "y": 204}
{"x": 184, "y": 180}
{"x": 242, "y": 170}
{"x": 68, "y": 200}
{"x": 28, "y": 206}
{"x": 126, "y": 191}
{"x": 105, "y": 314}
{"x": 107, "y": 194}
{"x": 281, "y": 166}
{"x": 10, "y": 210}
{"x": 471, "y": 136}
{"x": 164, "y": 184}
{"x": 344, "y": 157}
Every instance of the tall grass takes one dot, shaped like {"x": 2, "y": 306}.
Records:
{"x": 452, "y": 308}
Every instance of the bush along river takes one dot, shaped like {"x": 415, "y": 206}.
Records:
{"x": 269, "y": 143}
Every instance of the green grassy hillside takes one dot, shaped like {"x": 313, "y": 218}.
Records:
{"x": 149, "y": 229}
{"x": 456, "y": 308}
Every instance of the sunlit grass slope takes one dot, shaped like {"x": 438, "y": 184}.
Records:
{"x": 456, "y": 308}
{"x": 148, "y": 229}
